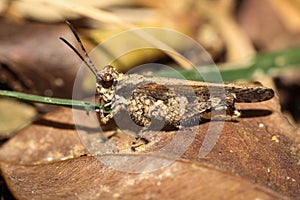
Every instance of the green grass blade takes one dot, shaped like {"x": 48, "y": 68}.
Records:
{"x": 272, "y": 63}
{"x": 76, "y": 104}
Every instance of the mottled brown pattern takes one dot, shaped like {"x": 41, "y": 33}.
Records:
{"x": 173, "y": 101}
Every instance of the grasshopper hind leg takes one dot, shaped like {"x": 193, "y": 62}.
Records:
{"x": 225, "y": 109}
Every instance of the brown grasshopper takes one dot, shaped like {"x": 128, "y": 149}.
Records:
{"x": 174, "y": 101}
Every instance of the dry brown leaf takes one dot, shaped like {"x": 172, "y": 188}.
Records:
{"x": 258, "y": 156}
{"x": 34, "y": 60}
{"x": 39, "y": 11}
{"x": 51, "y": 138}
{"x": 16, "y": 117}
{"x": 237, "y": 43}
{"x": 288, "y": 12}
{"x": 87, "y": 178}
{"x": 265, "y": 25}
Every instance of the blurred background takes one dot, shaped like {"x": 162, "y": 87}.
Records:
{"x": 250, "y": 40}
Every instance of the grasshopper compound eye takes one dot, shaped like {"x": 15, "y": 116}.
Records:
{"x": 107, "y": 80}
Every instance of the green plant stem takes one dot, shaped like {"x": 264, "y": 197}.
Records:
{"x": 76, "y": 104}
{"x": 271, "y": 64}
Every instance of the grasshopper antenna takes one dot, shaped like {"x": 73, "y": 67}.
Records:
{"x": 88, "y": 62}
